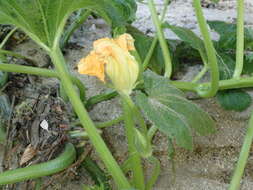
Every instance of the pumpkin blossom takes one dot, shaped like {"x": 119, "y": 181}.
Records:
{"x": 111, "y": 59}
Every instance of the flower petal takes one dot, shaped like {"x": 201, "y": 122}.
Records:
{"x": 92, "y": 65}
{"x": 126, "y": 42}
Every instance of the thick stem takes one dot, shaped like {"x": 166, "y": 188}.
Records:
{"x": 135, "y": 159}
{"x": 211, "y": 54}
{"x": 235, "y": 183}
{"x": 240, "y": 39}
{"x": 223, "y": 84}
{"x": 42, "y": 72}
{"x": 161, "y": 38}
{"x": 87, "y": 123}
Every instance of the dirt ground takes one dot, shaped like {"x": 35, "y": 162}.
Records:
{"x": 208, "y": 167}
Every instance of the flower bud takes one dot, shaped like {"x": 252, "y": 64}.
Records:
{"x": 111, "y": 58}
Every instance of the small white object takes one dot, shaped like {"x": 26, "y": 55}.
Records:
{"x": 44, "y": 125}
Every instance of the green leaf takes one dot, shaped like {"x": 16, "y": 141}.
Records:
{"x": 174, "y": 115}
{"x": 188, "y": 37}
{"x": 248, "y": 63}
{"x": 100, "y": 178}
{"x": 44, "y": 20}
{"x": 227, "y": 32}
{"x": 226, "y": 66}
{"x": 237, "y": 100}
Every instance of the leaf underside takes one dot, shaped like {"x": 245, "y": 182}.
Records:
{"x": 44, "y": 20}
{"x": 174, "y": 115}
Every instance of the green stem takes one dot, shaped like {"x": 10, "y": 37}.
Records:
{"x": 155, "y": 173}
{"x": 97, "y": 174}
{"x": 38, "y": 184}
{"x": 200, "y": 74}
{"x": 11, "y": 53}
{"x": 104, "y": 124}
{"x": 110, "y": 123}
{"x": 161, "y": 38}
{"x": 151, "y": 132}
{"x": 64, "y": 160}
{"x": 185, "y": 86}
{"x": 240, "y": 39}
{"x": 135, "y": 161}
{"x": 150, "y": 53}
{"x": 211, "y": 54}
{"x": 90, "y": 128}
{"x": 100, "y": 98}
{"x": 42, "y": 72}
{"x": 155, "y": 40}
{"x": 235, "y": 183}
{"x": 223, "y": 84}
{"x": 7, "y": 37}
{"x": 137, "y": 115}
{"x": 79, "y": 19}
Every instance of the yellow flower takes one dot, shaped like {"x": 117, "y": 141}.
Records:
{"x": 111, "y": 58}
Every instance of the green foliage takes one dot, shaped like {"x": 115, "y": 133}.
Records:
{"x": 100, "y": 178}
{"x": 143, "y": 43}
{"x": 227, "y": 34}
{"x": 236, "y": 100}
{"x": 248, "y": 63}
{"x": 225, "y": 48}
{"x": 226, "y": 66}
{"x": 44, "y": 20}
{"x": 174, "y": 115}
{"x": 190, "y": 38}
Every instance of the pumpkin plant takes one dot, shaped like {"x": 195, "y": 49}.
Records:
{"x": 43, "y": 21}
{"x": 144, "y": 95}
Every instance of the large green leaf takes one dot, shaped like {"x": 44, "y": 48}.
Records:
{"x": 44, "y": 20}
{"x": 166, "y": 107}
